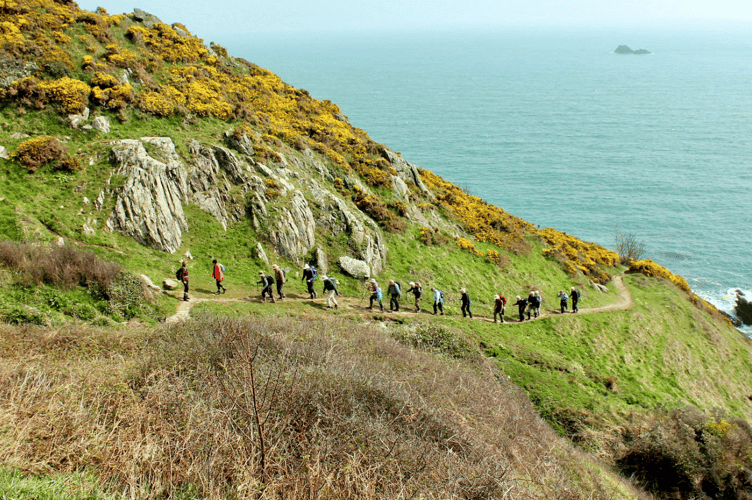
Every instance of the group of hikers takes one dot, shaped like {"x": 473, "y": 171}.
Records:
{"x": 529, "y": 305}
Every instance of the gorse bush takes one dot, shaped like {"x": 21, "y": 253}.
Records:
{"x": 40, "y": 151}
{"x": 651, "y": 269}
{"x": 683, "y": 453}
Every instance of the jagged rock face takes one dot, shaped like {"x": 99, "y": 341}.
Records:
{"x": 149, "y": 207}
{"x": 406, "y": 170}
{"x": 209, "y": 189}
{"x": 294, "y": 232}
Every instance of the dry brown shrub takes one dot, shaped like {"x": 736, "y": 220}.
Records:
{"x": 276, "y": 408}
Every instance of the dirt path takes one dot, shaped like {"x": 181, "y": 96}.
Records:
{"x": 357, "y": 305}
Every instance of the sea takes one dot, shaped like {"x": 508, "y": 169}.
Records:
{"x": 553, "y": 126}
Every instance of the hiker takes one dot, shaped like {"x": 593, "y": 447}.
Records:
{"x": 465, "y": 299}
{"x": 521, "y": 303}
{"x": 279, "y": 277}
{"x": 330, "y": 286}
{"x": 218, "y": 273}
{"x": 538, "y": 303}
{"x": 416, "y": 290}
{"x": 394, "y": 293}
{"x": 182, "y": 276}
{"x": 266, "y": 281}
{"x": 575, "y": 299}
{"x": 563, "y": 297}
{"x": 531, "y": 303}
{"x": 500, "y": 303}
{"x": 376, "y": 294}
{"x": 309, "y": 276}
{"x": 438, "y": 300}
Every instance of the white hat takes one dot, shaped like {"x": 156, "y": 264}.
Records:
{"x": 518, "y": 297}
{"x": 411, "y": 283}
{"x": 324, "y": 277}
{"x": 306, "y": 267}
{"x": 373, "y": 280}
{"x": 496, "y": 297}
{"x": 462, "y": 290}
{"x": 572, "y": 288}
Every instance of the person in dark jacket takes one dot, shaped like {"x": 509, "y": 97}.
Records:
{"x": 465, "y": 300}
{"x": 394, "y": 293}
{"x": 417, "y": 291}
{"x": 266, "y": 282}
{"x": 330, "y": 288}
{"x": 310, "y": 279}
{"x": 521, "y": 303}
{"x": 575, "y": 299}
{"x": 500, "y": 303}
{"x": 279, "y": 278}
{"x": 531, "y": 305}
{"x": 183, "y": 276}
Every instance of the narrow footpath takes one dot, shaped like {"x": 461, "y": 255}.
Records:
{"x": 353, "y": 304}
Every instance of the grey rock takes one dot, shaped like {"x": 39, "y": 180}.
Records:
{"x": 99, "y": 202}
{"x": 102, "y": 124}
{"x": 260, "y": 253}
{"x": 230, "y": 163}
{"x": 406, "y": 170}
{"x": 353, "y": 267}
{"x": 19, "y": 135}
{"x": 60, "y": 242}
{"x": 170, "y": 284}
{"x": 293, "y": 234}
{"x": 149, "y": 205}
{"x": 322, "y": 263}
{"x": 88, "y": 230}
{"x": 180, "y": 31}
{"x": 12, "y": 69}
{"x": 4, "y": 153}
{"x": 141, "y": 16}
{"x": 149, "y": 283}
{"x": 75, "y": 120}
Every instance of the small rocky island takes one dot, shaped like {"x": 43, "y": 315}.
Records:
{"x": 624, "y": 49}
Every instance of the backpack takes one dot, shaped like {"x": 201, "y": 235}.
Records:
{"x": 313, "y": 271}
{"x": 221, "y": 267}
{"x": 269, "y": 279}
{"x": 503, "y": 300}
{"x": 179, "y": 274}
{"x": 399, "y": 288}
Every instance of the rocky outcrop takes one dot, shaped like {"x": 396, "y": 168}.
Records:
{"x": 149, "y": 206}
{"x": 353, "y": 267}
{"x": 743, "y": 308}
{"x": 406, "y": 170}
{"x": 294, "y": 230}
{"x": 624, "y": 49}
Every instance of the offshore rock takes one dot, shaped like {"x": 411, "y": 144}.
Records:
{"x": 148, "y": 207}
{"x": 743, "y": 308}
{"x": 353, "y": 267}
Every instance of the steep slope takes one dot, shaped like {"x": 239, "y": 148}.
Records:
{"x": 132, "y": 139}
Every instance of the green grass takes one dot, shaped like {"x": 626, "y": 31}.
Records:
{"x": 16, "y": 486}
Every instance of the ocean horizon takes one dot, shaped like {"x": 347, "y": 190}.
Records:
{"x": 553, "y": 127}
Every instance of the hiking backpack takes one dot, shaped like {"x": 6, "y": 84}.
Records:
{"x": 179, "y": 274}
{"x": 269, "y": 279}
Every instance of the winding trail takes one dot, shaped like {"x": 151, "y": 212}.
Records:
{"x": 623, "y": 302}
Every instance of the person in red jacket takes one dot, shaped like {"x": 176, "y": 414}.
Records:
{"x": 218, "y": 273}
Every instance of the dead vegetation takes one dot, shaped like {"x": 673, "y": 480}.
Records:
{"x": 277, "y": 408}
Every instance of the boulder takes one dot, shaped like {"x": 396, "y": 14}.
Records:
{"x": 141, "y": 16}
{"x": 4, "y": 153}
{"x": 355, "y": 268}
{"x": 170, "y": 284}
{"x": 75, "y": 120}
{"x": 102, "y": 124}
{"x": 150, "y": 284}
{"x": 406, "y": 170}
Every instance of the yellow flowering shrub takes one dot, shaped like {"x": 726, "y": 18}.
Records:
{"x": 37, "y": 152}
{"x": 650, "y": 268}
{"x": 164, "y": 41}
{"x": 578, "y": 255}
{"x": 72, "y": 95}
{"x": 155, "y": 103}
{"x": 61, "y": 37}
{"x": 488, "y": 223}
{"x": 719, "y": 428}
{"x": 468, "y": 245}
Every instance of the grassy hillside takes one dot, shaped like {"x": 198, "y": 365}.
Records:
{"x": 350, "y": 403}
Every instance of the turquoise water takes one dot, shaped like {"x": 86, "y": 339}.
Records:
{"x": 555, "y": 128}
